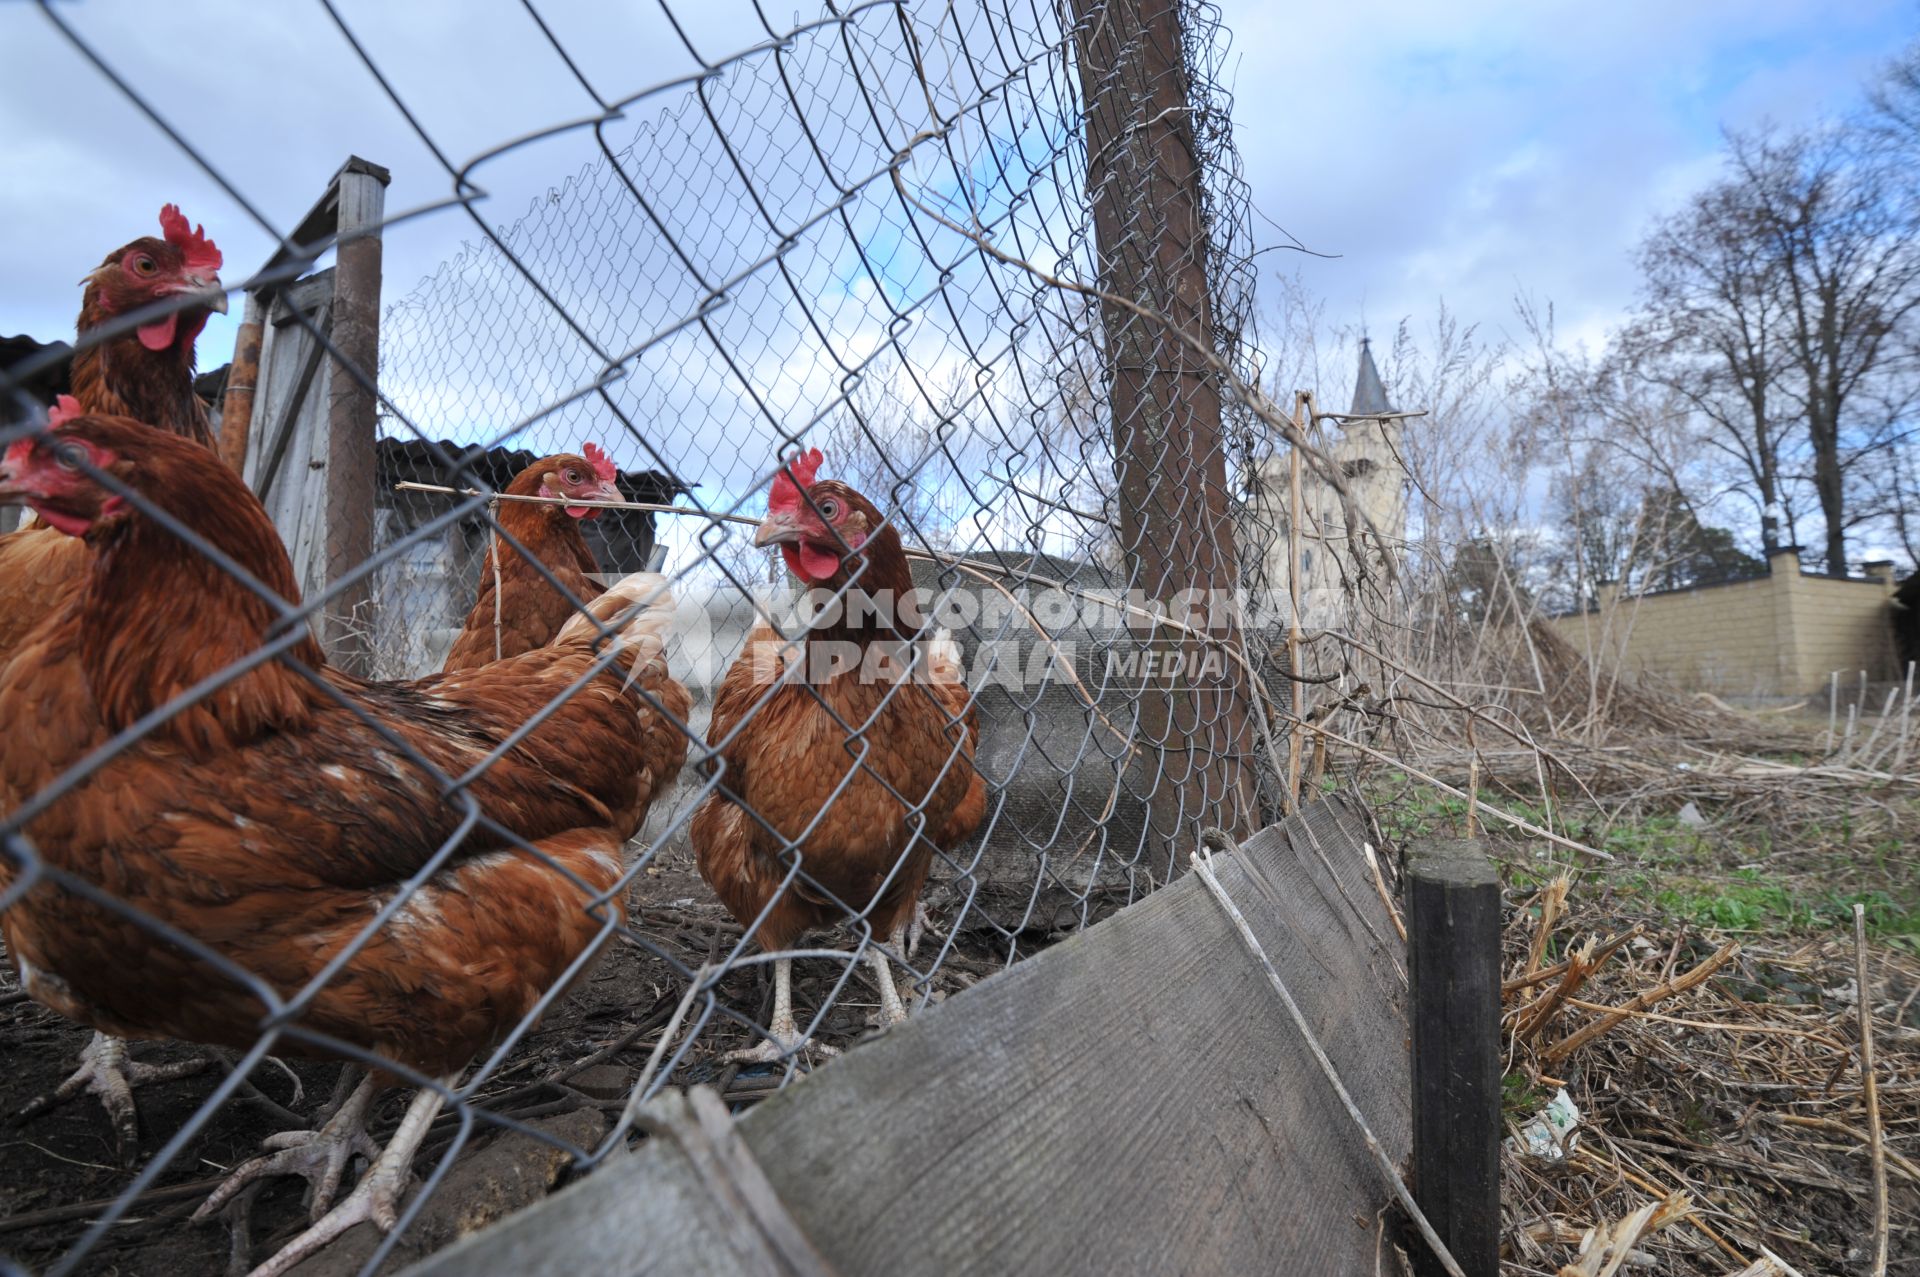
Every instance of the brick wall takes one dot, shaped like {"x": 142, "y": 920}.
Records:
{"x": 1780, "y": 635}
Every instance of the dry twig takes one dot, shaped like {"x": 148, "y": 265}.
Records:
{"x": 1640, "y": 1002}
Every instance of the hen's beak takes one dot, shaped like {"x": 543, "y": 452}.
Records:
{"x": 602, "y": 490}
{"x": 12, "y": 462}
{"x": 207, "y": 287}
{"x": 778, "y": 526}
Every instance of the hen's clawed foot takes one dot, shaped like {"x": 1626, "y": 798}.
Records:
{"x": 376, "y": 1200}
{"x": 776, "y": 1049}
{"x": 892, "y": 1009}
{"x": 919, "y": 925}
{"x": 108, "y": 1071}
{"x": 319, "y": 1157}
{"x": 783, "y": 1034}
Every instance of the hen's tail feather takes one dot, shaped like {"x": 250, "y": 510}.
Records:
{"x": 638, "y": 609}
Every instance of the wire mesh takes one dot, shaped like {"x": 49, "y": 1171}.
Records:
{"x": 992, "y": 259}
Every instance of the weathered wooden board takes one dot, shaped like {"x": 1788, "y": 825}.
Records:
{"x": 1132, "y": 1100}
{"x": 287, "y": 451}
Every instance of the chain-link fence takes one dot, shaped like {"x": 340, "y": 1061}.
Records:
{"x": 945, "y": 298}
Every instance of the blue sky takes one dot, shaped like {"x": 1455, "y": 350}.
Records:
{"x": 1467, "y": 151}
{"x": 1464, "y": 150}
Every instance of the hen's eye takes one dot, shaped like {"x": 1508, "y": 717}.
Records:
{"x": 829, "y": 507}
{"x": 69, "y": 456}
{"x": 144, "y": 265}
{"x": 573, "y": 476}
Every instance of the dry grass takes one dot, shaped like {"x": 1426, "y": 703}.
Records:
{"x": 1726, "y": 1070}
{"x": 1691, "y": 982}
{"x": 1696, "y": 995}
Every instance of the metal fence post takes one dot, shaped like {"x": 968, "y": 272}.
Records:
{"x": 352, "y": 407}
{"x": 1453, "y": 969}
{"x": 1171, "y": 490}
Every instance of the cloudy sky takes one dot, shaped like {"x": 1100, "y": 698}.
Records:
{"x": 1473, "y": 149}
{"x": 1464, "y": 151}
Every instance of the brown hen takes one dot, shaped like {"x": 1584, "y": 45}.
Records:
{"x": 518, "y": 608}
{"x": 854, "y": 749}
{"x": 274, "y": 818}
{"x": 145, "y": 373}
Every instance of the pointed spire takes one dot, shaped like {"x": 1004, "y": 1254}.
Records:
{"x": 1369, "y": 392}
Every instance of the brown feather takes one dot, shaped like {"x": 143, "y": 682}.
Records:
{"x": 785, "y": 756}
{"x": 530, "y": 610}
{"x": 275, "y": 822}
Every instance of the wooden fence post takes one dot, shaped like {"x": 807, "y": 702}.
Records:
{"x": 1453, "y": 969}
{"x": 243, "y": 378}
{"x": 352, "y": 408}
{"x": 1171, "y": 494}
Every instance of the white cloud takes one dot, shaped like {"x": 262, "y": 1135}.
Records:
{"x": 1473, "y": 149}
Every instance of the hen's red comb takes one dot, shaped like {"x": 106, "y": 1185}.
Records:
{"x": 796, "y": 474}
{"x": 64, "y": 409}
{"x": 602, "y": 464}
{"x": 198, "y": 252}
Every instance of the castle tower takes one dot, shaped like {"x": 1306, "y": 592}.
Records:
{"x": 1366, "y": 450}
{"x": 1368, "y": 454}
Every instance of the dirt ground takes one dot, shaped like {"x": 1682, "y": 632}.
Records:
{"x": 59, "y": 1169}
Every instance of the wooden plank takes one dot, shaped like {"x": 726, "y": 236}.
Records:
{"x": 297, "y": 512}
{"x": 291, "y": 407}
{"x": 1453, "y": 926}
{"x": 1132, "y": 1100}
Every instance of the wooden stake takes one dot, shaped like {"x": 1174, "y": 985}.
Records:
{"x": 352, "y": 409}
{"x": 243, "y": 378}
{"x": 1173, "y": 500}
{"x": 1453, "y": 968}
{"x": 1473, "y": 783}
{"x": 1906, "y": 719}
{"x": 1833, "y": 707}
{"x": 1296, "y": 696}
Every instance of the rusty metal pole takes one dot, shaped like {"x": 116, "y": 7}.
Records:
{"x": 1143, "y": 176}
{"x": 243, "y": 378}
{"x": 351, "y": 409}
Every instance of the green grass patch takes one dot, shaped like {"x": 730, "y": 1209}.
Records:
{"x": 1685, "y": 872}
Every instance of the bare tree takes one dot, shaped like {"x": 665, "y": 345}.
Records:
{"x": 1781, "y": 303}
{"x": 1841, "y": 226}
{"x": 1892, "y": 117}
{"x": 889, "y": 443}
{"x": 1709, "y": 331}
